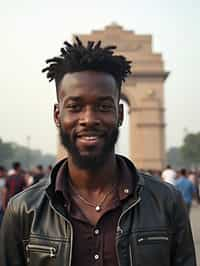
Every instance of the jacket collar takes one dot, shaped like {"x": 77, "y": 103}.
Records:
{"x": 136, "y": 174}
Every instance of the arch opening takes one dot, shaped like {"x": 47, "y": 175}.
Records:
{"x": 123, "y": 143}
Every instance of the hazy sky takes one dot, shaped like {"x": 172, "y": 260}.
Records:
{"x": 32, "y": 31}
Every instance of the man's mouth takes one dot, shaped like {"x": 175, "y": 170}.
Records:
{"x": 89, "y": 138}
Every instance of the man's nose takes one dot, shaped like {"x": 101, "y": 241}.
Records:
{"x": 89, "y": 117}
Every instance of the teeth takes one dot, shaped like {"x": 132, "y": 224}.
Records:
{"x": 90, "y": 138}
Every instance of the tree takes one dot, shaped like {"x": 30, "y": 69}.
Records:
{"x": 6, "y": 152}
{"x": 10, "y": 152}
{"x": 191, "y": 149}
{"x": 175, "y": 158}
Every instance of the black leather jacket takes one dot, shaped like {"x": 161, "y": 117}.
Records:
{"x": 153, "y": 228}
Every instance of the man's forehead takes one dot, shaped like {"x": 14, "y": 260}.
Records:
{"x": 87, "y": 78}
{"x": 87, "y": 81}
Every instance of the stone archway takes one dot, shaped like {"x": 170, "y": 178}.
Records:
{"x": 144, "y": 91}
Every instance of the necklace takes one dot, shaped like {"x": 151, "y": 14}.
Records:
{"x": 97, "y": 206}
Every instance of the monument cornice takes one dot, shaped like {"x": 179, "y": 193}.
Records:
{"x": 141, "y": 109}
{"x": 148, "y": 160}
{"x": 161, "y": 125}
{"x": 163, "y": 75}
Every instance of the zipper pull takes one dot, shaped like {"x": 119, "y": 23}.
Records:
{"x": 140, "y": 239}
{"x": 52, "y": 253}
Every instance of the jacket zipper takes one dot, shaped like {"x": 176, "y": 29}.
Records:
{"x": 130, "y": 255}
{"x": 121, "y": 231}
{"x": 38, "y": 248}
{"x": 140, "y": 240}
{"x": 71, "y": 228}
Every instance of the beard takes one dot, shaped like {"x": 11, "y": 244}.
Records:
{"x": 91, "y": 161}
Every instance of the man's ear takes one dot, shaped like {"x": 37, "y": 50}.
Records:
{"x": 56, "y": 115}
{"x": 121, "y": 114}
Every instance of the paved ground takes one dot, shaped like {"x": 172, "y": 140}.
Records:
{"x": 195, "y": 221}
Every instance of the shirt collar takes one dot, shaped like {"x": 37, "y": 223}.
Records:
{"x": 126, "y": 187}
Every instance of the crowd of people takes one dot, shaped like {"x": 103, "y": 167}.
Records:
{"x": 17, "y": 179}
{"x": 186, "y": 181}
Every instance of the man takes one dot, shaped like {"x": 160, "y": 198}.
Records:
{"x": 38, "y": 173}
{"x": 169, "y": 175}
{"x": 2, "y": 189}
{"x": 15, "y": 183}
{"x": 193, "y": 177}
{"x": 96, "y": 208}
{"x": 187, "y": 189}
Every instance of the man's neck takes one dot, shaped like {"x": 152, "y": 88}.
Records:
{"x": 94, "y": 179}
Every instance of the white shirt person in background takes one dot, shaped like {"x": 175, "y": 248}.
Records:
{"x": 169, "y": 175}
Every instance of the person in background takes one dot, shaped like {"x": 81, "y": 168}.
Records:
{"x": 186, "y": 187}
{"x": 169, "y": 175}
{"x": 198, "y": 181}
{"x": 157, "y": 174}
{"x": 192, "y": 176}
{"x": 15, "y": 183}
{"x": 38, "y": 173}
{"x": 2, "y": 187}
{"x": 28, "y": 178}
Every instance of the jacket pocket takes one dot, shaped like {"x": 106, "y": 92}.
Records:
{"x": 44, "y": 252}
{"x": 145, "y": 240}
{"x": 149, "y": 248}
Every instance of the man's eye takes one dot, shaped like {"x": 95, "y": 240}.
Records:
{"x": 74, "y": 107}
{"x": 105, "y": 107}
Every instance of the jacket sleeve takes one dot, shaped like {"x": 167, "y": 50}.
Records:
{"x": 183, "y": 247}
{"x": 11, "y": 244}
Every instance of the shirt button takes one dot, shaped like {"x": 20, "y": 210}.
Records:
{"x": 126, "y": 190}
{"x": 96, "y": 256}
{"x": 96, "y": 231}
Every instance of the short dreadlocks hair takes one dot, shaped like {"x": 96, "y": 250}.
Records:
{"x": 76, "y": 57}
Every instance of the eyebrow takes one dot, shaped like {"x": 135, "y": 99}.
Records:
{"x": 73, "y": 98}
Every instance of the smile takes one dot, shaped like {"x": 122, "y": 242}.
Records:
{"x": 89, "y": 140}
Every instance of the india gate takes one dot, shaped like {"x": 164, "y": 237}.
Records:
{"x": 143, "y": 91}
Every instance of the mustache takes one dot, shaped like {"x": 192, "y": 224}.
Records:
{"x": 92, "y": 131}
{"x": 89, "y": 133}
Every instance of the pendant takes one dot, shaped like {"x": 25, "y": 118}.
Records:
{"x": 98, "y": 208}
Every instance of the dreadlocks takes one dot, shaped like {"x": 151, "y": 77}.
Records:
{"x": 77, "y": 57}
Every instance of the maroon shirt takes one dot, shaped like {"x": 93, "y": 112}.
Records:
{"x": 95, "y": 244}
{"x": 14, "y": 184}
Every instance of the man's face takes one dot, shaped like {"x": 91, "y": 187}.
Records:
{"x": 88, "y": 115}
